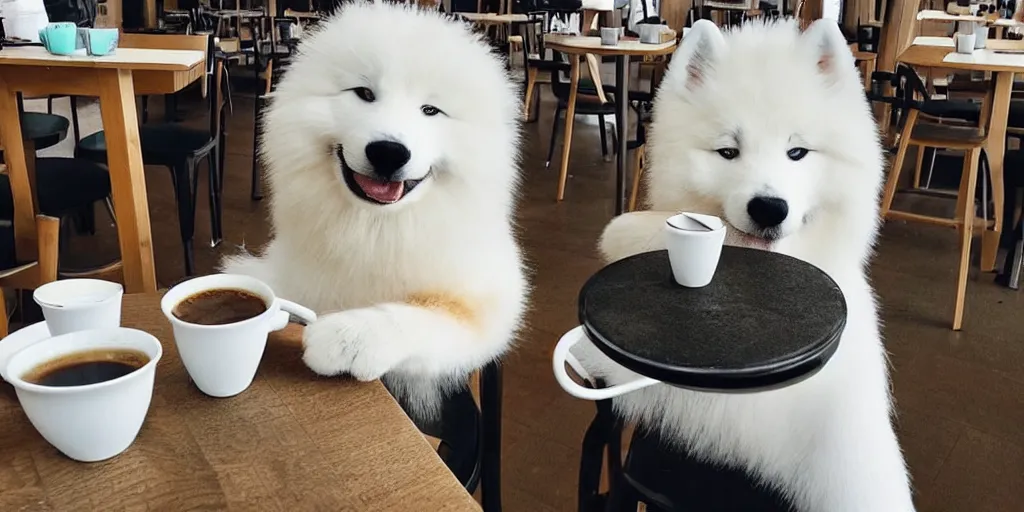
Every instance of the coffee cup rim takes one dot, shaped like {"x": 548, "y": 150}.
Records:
{"x": 175, "y": 295}
{"x": 693, "y": 232}
{"x": 143, "y": 337}
{"x": 116, "y": 291}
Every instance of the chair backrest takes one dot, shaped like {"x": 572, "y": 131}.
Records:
{"x": 197, "y": 42}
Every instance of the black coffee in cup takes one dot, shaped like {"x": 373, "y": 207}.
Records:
{"x": 219, "y": 307}
{"x": 88, "y": 367}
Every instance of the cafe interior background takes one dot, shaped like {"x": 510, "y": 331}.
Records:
{"x": 959, "y": 392}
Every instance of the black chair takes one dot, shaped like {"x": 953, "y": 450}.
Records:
{"x": 181, "y": 148}
{"x": 471, "y": 437}
{"x": 266, "y": 68}
{"x": 66, "y": 188}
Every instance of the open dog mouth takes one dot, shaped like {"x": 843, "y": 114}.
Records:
{"x": 374, "y": 190}
{"x": 762, "y": 239}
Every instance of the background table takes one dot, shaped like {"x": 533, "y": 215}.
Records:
{"x": 291, "y": 441}
{"x": 575, "y": 47}
{"x": 938, "y": 52}
{"x": 115, "y": 79}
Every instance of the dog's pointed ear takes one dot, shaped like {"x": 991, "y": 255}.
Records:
{"x": 696, "y": 56}
{"x": 835, "y": 60}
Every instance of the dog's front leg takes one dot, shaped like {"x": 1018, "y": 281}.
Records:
{"x": 428, "y": 334}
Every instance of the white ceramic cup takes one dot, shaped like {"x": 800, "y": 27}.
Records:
{"x": 980, "y": 35}
{"x": 222, "y": 359}
{"x": 694, "y": 242}
{"x": 609, "y": 36}
{"x": 79, "y": 304}
{"x": 93, "y": 422}
{"x": 965, "y": 43}
{"x": 649, "y": 33}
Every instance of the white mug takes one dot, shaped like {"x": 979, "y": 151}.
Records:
{"x": 980, "y": 35}
{"x": 93, "y": 422}
{"x": 694, "y": 242}
{"x": 222, "y": 359}
{"x": 609, "y": 36}
{"x": 79, "y": 304}
{"x": 965, "y": 43}
{"x": 563, "y": 355}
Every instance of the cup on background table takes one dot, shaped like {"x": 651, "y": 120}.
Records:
{"x": 79, "y": 304}
{"x": 694, "y": 242}
{"x": 610, "y": 36}
{"x": 222, "y": 359}
{"x": 964, "y": 43}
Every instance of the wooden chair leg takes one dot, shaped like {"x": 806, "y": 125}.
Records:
{"x": 918, "y": 165}
{"x": 48, "y": 237}
{"x": 897, "y": 164}
{"x": 531, "y": 80}
{"x": 3, "y": 317}
{"x": 638, "y": 169}
{"x": 570, "y": 114}
{"x": 966, "y": 199}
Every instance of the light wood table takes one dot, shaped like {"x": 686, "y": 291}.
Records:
{"x": 292, "y": 441}
{"x": 575, "y": 47}
{"x": 487, "y": 18}
{"x": 937, "y": 52}
{"x": 115, "y": 79}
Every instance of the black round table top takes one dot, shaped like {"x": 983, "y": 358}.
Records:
{"x": 44, "y": 130}
{"x": 767, "y": 320}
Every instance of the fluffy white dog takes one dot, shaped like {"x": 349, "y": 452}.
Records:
{"x": 391, "y": 148}
{"x": 769, "y": 128}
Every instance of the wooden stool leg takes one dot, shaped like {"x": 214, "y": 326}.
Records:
{"x": 897, "y": 164}
{"x": 966, "y": 199}
{"x": 990, "y": 237}
{"x": 638, "y": 169}
{"x": 918, "y": 165}
{"x": 48, "y": 231}
{"x": 570, "y": 115}
{"x": 531, "y": 80}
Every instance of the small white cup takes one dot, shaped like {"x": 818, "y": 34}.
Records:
{"x": 93, "y": 422}
{"x": 222, "y": 359}
{"x": 965, "y": 43}
{"x": 610, "y": 36}
{"x": 694, "y": 242}
{"x": 79, "y": 304}
{"x": 649, "y": 33}
{"x": 980, "y": 35}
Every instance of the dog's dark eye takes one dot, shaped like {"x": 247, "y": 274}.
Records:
{"x": 797, "y": 153}
{"x": 365, "y": 94}
{"x": 728, "y": 153}
{"x": 430, "y": 110}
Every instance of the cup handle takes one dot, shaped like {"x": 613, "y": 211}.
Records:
{"x": 563, "y": 356}
{"x": 289, "y": 309}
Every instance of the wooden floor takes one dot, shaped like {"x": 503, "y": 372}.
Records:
{"x": 960, "y": 395}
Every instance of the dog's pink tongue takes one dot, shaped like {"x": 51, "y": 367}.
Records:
{"x": 383, "y": 191}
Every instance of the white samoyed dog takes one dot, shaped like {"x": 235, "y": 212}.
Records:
{"x": 391, "y": 150}
{"x": 769, "y": 128}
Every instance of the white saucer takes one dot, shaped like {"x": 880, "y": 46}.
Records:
{"x": 18, "y": 340}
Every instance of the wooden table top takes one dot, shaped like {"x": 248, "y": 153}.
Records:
{"x": 292, "y": 441}
{"x": 124, "y": 58}
{"x": 485, "y": 17}
{"x": 943, "y": 16}
{"x": 938, "y": 52}
{"x": 584, "y": 44}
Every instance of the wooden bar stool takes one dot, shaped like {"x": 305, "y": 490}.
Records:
{"x": 969, "y": 139}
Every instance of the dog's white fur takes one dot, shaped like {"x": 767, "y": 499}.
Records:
{"x": 826, "y": 442}
{"x": 424, "y": 291}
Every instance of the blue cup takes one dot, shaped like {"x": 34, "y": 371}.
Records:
{"x": 60, "y": 38}
{"x": 100, "y": 41}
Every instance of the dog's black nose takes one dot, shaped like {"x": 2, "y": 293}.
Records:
{"x": 387, "y": 157}
{"x": 767, "y": 212}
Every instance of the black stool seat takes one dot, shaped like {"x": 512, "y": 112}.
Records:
{"x": 44, "y": 130}
{"x": 63, "y": 186}
{"x": 670, "y": 479}
{"x": 161, "y": 143}
{"x": 966, "y": 110}
{"x": 766, "y": 320}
